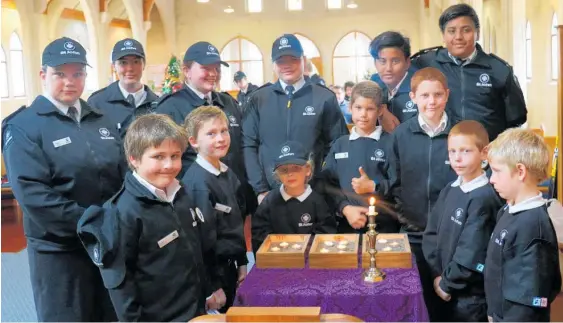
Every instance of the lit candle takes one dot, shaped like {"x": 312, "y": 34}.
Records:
{"x": 371, "y": 210}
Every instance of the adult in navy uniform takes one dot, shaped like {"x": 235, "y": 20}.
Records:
{"x": 391, "y": 53}
{"x": 201, "y": 69}
{"x": 482, "y": 86}
{"x": 62, "y": 156}
{"x": 311, "y": 75}
{"x": 127, "y": 98}
{"x": 245, "y": 89}
{"x": 290, "y": 109}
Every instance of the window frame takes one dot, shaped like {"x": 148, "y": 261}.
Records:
{"x": 4, "y": 62}
{"x": 240, "y": 61}
{"x": 12, "y": 54}
{"x": 355, "y": 32}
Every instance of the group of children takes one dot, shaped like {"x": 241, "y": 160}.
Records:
{"x": 171, "y": 250}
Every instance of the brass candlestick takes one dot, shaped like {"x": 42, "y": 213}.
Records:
{"x": 372, "y": 274}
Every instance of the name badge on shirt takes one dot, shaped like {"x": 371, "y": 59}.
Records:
{"x": 169, "y": 238}
{"x": 341, "y": 155}
{"x": 222, "y": 208}
{"x": 61, "y": 142}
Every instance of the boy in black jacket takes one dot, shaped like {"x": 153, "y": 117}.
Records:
{"x": 357, "y": 165}
{"x": 218, "y": 193}
{"x": 420, "y": 156}
{"x": 522, "y": 274}
{"x": 460, "y": 225}
{"x": 146, "y": 239}
{"x": 294, "y": 208}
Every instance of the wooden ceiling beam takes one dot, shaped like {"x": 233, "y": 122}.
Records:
{"x": 147, "y": 7}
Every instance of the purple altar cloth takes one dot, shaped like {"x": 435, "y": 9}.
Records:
{"x": 397, "y": 299}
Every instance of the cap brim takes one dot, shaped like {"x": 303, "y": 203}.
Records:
{"x": 210, "y": 61}
{"x": 123, "y": 54}
{"x": 288, "y": 52}
{"x": 56, "y": 63}
{"x": 295, "y": 161}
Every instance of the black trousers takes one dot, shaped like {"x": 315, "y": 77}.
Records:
{"x": 68, "y": 287}
{"x": 229, "y": 279}
{"x": 465, "y": 309}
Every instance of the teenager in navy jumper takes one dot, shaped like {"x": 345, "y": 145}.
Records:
{"x": 420, "y": 156}
{"x": 146, "y": 239}
{"x": 460, "y": 225}
{"x": 218, "y": 193}
{"x": 357, "y": 166}
{"x": 522, "y": 276}
{"x": 294, "y": 207}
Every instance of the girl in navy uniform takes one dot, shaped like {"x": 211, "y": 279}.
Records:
{"x": 294, "y": 208}
{"x": 460, "y": 225}
{"x": 62, "y": 156}
{"x": 146, "y": 239}
{"x": 218, "y": 193}
{"x": 357, "y": 166}
{"x": 522, "y": 275}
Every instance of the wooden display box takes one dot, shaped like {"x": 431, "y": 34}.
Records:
{"x": 274, "y": 314}
{"x": 280, "y": 251}
{"x": 334, "y": 251}
{"x": 393, "y": 251}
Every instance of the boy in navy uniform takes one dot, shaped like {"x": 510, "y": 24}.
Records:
{"x": 483, "y": 86}
{"x": 127, "y": 98}
{"x": 290, "y": 109}
{"x": 245, "y": 89}
{"x": 420, "y": 156}
{"x": 146, "y": 239}
{"x": 357, "y": 166}
{"x": 218, "y": 193}
{"x": 391, "y": 52}
{"x": 460, "y": 226}
{"x": 62, "y": 156}
{"x": 293, "y": 208}
{"x": 522, "y": 275}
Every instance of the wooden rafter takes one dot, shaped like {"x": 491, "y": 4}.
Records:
{"x": 79, "y": 15}
{"x": 426, "y": 4}
{"x": 9, "y": 4}
{"x": 147, "y": 7}
{"x": 104, "y": 5}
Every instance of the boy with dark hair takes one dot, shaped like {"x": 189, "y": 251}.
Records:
{"x": 460, "y": 225}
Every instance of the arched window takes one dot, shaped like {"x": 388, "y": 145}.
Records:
{"x": 242, "y": 55}
{"x": 528, "y": 50}
{"x": 351, "y": 60}
{"x": 554, "y": 49}
{"x": 4, "y": 91}
{"x": 312, "y": 53}
{"x": 16, "y": 65}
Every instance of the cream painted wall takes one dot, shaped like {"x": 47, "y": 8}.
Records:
{"x": 219, "y": 29}
{"x": 10, "y": 23}
{"x": 541, "y": 89}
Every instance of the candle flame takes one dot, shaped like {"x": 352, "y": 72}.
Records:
{"x": 372, "y": 201}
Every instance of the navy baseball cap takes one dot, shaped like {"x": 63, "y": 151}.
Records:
{"x": 292, "y": 153}
{"x": 239, "y": 76}
{"x": 63, "y": 51}
{"x": 125, "y": 47}
{"x": 203, "y": 53}
{"x": 286, "y": 45}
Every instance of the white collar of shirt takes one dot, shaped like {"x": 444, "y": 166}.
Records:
{"x": 466, "y": 60}
{"x": 167, "y": 196}
{"x": 531, "y": 203}
{"x": 428, "y": 130}
{"x": 296, "y": 86}
{"x": 201, "y": 95}
{"x": 374, "y": 135}
{"x": 210, "y": 168}
{"x": 394, "y": 91}
{"x": 301, "y": 197}
{"x": 63, "y": 107}
{"x": 474, "y": 184}
{"x": 139, "y": 96}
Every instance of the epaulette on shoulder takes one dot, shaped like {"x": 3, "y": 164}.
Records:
{"x": 323, "y": 86}
{"x": 265, "y": 85}
{"x": 12, "y": 115}
{"x": 500, "y": 59}
{"x": 165, "y": 97}
{"x": 426, "y": 50}
{"x": 96, "y": 92}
